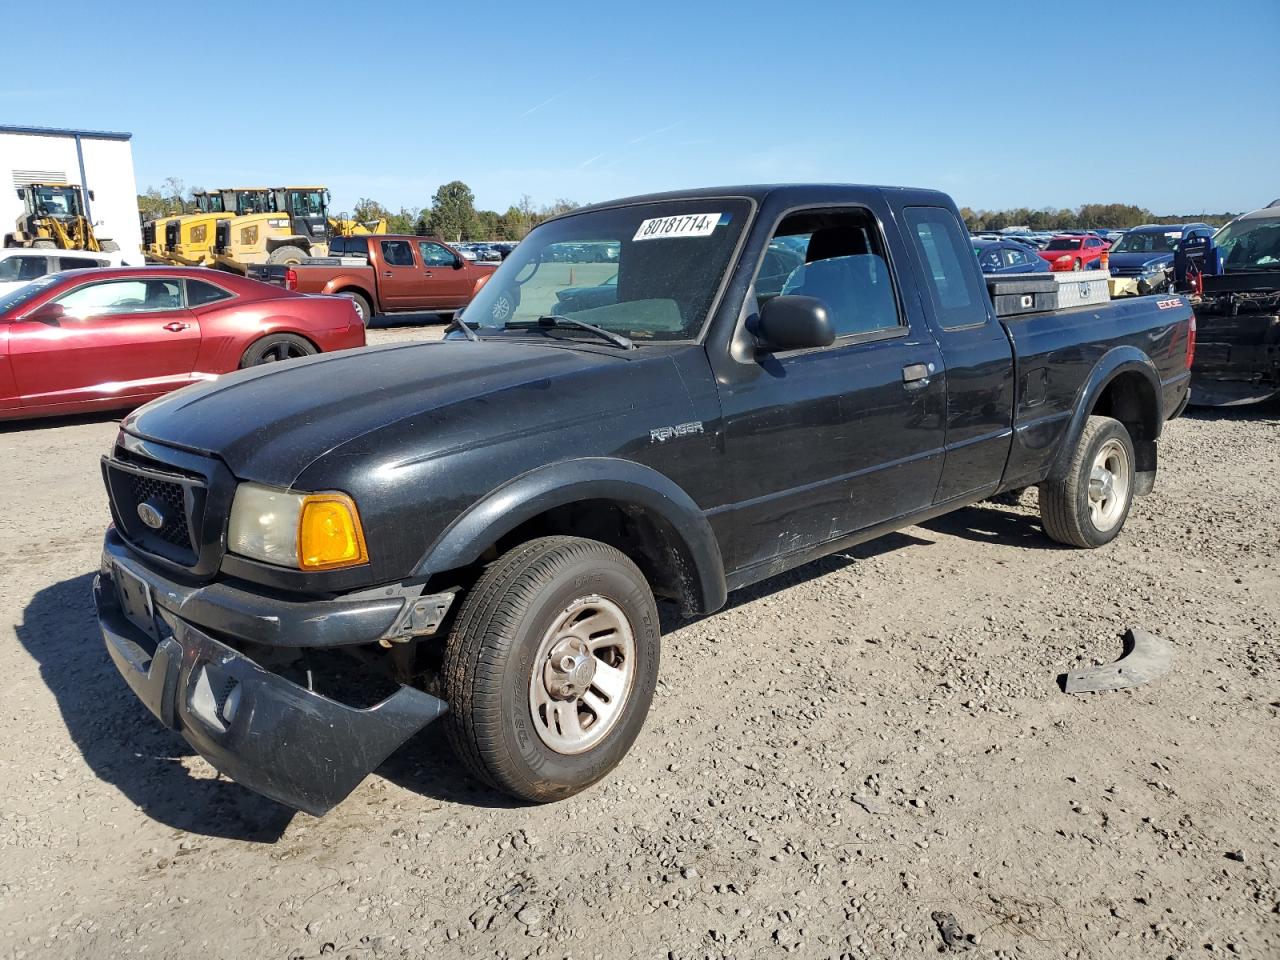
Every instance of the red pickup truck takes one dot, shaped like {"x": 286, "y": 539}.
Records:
{"x": 386, "y": 274}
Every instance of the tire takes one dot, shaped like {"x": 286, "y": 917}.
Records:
{"x": 1078, "y": 265}
{"x": 43, "y": 245}
{"x": 361, "y": 304}
{"x": 287, "y": 254}
{"x": 504, "y": 305}
{"x": 1076, "y": 512}
{"x": 109, "y": 246}
{"x": 276, "y": 347}
{"x": 502, "y": 717}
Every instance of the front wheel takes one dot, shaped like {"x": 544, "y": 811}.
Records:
{"x": 551, "y": 666}
{"x": 1078, "y": 265}
{"x": 1088, "y": 506}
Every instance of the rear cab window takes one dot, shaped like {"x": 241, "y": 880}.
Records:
{"x": 941, "y": 245}
{"x": 397, "y": 253}
{"x": 200, "y": 293}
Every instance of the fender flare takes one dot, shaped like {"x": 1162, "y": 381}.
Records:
{"x": 1114, "y": 363}
{"x": 571, "y": 481}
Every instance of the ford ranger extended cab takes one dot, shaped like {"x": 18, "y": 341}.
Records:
{"x": 311, "y": 563}
{"x": 386, "y": 274}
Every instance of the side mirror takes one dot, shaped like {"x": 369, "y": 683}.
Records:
{"x": 50, "y": 313}
{"x": 793, "y": 322}
{"x": 458, "y": 263}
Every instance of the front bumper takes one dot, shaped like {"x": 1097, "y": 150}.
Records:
{"x": 259, "y": 728}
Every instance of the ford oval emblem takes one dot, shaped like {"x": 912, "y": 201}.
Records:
{"x": 149, "y": 515}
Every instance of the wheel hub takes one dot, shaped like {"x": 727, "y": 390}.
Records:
{"x": 569, "y": 670}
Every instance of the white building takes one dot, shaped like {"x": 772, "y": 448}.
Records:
{"x": 94, "y": 159}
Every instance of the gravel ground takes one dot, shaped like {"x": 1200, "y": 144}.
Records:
{"x": 842, "y": 756}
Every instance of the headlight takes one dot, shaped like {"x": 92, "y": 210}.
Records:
{"x": 1153, "y": 268}
{"x": 306, "y": 531}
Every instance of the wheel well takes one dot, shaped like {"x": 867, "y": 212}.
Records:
{"x": 353, "y": 289}
{"x": 651, "y": 542}
{"x": 1131, "y": 399}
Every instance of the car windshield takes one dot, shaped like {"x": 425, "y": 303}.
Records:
{"x": 28, "y": 291}
{"x": 1064, "y": 243}
{"x": 648, "y": 271}
{"x": 57, "y": 201}
{"x": 1148, "y": 241}
{"x": 1250, "y": 244}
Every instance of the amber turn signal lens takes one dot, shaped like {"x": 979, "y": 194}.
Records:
{"x": 329, "y": 533}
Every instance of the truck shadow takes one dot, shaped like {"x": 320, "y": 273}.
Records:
{"x": 989, "y": 523}
{"x": 120, "y": 741}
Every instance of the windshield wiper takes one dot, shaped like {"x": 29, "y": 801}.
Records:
{"x": 458, "y": 324}
{"x": 555, "y": 319}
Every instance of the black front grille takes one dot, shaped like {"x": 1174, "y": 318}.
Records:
{"x": 222, "y": 236}
{"x": 172, "y": 231}
{"x": 157, "y": 510}
{"x": 170, "y": 501}
{"x": 149, "y": 233}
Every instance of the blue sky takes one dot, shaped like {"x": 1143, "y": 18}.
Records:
{"x": 1169, "y": 105}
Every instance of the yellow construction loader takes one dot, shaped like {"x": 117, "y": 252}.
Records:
{"x": 53, "y": 215}
{"x": 189, "y": 240}
{"x": 297, "y": 226}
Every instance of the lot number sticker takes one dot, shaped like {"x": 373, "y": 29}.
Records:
{"x": 689, "y": 225}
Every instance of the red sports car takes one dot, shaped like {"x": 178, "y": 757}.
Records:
{"x": 1074, "y": 252}
{"x": 111, "y": 338}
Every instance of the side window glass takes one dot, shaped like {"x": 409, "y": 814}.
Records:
{"x": 397, "y": 253}
{"x": 23, "y": 267}
{"x": 839, "y": 258}
{"x": 77, "y": 263}
{"x": 953, "y": 284}
{"x": 200, "y": 293}
{"x": 435, "y": 255}
{"x": 122, "y": 297}
{"x": 990, "y": 260}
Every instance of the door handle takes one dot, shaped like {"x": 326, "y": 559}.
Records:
{"x": 914, "y": 373}
{"x": 176, "y": 327}
{"x": 386, "y": 273}
{"x": 427, "y": 273}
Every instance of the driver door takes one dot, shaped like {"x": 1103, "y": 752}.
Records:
{"x": 448, "y": 282}
{"x": 116, "y": 339}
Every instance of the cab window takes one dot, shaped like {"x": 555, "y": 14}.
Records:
{"x": 435, "y": 254}
{"x": 23, "y": 268}
{"x": 953, "y": 283}
{"x": 839, "y": 258}
{"x": 397, "y": 253}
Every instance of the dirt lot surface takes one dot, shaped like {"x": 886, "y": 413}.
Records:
{"x": 844, "y": 753}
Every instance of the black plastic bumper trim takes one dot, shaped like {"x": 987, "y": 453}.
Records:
{"x": 281, "y": 740}
{"x": 264, "y": 619}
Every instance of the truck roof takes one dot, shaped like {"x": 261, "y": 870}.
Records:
{"x": 784, "y": 192}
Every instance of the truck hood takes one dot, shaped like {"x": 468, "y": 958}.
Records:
{"x": 268, "y": 423}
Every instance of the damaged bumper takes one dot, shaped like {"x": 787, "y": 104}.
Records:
{"x": 261, "y": 729}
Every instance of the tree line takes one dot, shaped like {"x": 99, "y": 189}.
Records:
{"x": 1086, "y": 216}
{"x": 451, "y": 215}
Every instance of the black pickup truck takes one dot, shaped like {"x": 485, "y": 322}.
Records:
{"x": 311, "y": 562}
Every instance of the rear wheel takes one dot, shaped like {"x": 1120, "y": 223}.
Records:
{"x": 551, "y": 666}
{"x": 109, "y": 246}
{"x": 287, "y": 254}
{"x": 276, "y": 347}
{"x": 361, "y": 304}
{"x": 1089, "y": 505}
{"x": 44, "y": 244}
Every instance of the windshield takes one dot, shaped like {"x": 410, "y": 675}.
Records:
{"x": 56, "y": 201}
{"x": 253, "y": 201}
{"x": 1250, "y": 244}
{"x": 1064, "y": 243}
{"x": 301, "y": 203}
{"x": 28, "y": 291}
{"x": 648, "y": 271}
{"x": 1148, "y": 242}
